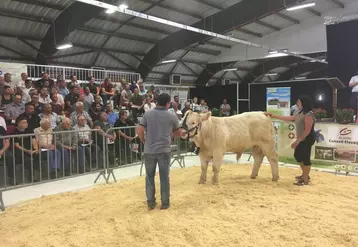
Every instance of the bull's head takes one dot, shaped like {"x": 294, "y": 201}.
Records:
{"x": 191, "y": 124}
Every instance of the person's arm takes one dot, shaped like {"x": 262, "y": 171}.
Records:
{"x": 308, "y": 126}
{"x": 111, "y": 92}
{"x": 35, "y": 146}
{"x": 177, "y": 131}
{"x": 5, "y": 147}
{"x": 98, "y": 90}
{"x": 353, "y": 82}
{"x": 141, "y": 128}
{"x": 282, "y": 118}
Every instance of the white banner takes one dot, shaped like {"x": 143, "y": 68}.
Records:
{"x": 15, "y": 69}
{"x": 181, "y": 92}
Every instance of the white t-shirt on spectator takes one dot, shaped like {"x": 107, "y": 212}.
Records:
{"x": 10, "y": 84}
{"x": 46, "y": 100}
{"x": 21, "y": 84}
{"x": 3, "y": 123}
{"x": 148, "y": 107}
{"x": 89, "y": 98}
{"x": 353, "y": 80}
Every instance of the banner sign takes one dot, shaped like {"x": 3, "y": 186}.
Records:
{"x": 181, "y": 92}
{"x": 339, "y": 146}
{"x": 278, "y": 100}
{"x": 15, "y": 69}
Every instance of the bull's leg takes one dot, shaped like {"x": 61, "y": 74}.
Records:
{"x": 217, "y": 161}
{"x": 204, "y": 169}
{"x": 270, "y": 153}
{"x": 258, "y": 158}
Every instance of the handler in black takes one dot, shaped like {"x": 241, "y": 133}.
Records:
{"x": 156, "y": 130}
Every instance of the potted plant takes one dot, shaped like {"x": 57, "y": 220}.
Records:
{"x": 216, "y": 112}
{"x": 319, "y": 114}
{"x": 344, "y": 116}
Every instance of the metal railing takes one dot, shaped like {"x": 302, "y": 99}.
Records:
{"x": 34, "y": 72}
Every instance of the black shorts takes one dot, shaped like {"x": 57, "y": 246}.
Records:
{"x": 303, "y": 151}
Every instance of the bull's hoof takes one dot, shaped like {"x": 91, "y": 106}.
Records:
{"x": 275, "y": 179}
{"x": 253, "y": 177}
{"x": 214, "y": 182}
{"x": 202, "y": 182}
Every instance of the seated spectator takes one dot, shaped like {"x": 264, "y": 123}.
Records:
{"x": 112, "y": 116}
{"x": 133, "y": 86}
{"x": 225, "y": 108}
{"x": 38, "y": 106}
{"x": 13, "y": 110}
{"x": 125, "y": 136}
{"x": 71, "y": 99}
{"x": 93, "y": 87}
{"x": 89, "y": 98}
{"x": 126, "y": 95}
{"x": 80, "y": 111}
{"x": 8, "y": 82}
{"x": 73, "y": 82}
{"x": 26, "y": 148}
{"x": 47, "y": 113}
{"x": 142, "y": 91}
{"x": 107, "y": 90}
{"x": 60, "y": 99}
{"x": 176, "y": 100}
{"x": 149, "y": 105}
{"x": 186, "y": 108}
{"x": 95, "y": 111}
{"x": 102, "y": 137}
{"x": 137, "y": 104}
{"x": 150, "y": 95}
{"x": 203, "y": 106}
{"x": 45, "y": 81}
{"x": 81, "y": 98}
{"x": 195, "y": 106}
{"x": 98, "y": 100}
{"x": 91, "y": 150}
{"x": 56, "y": 105}
{"x": 21, "y": 83}
{"x": 62, "y": 88}
{"x": 175, "y": 110}
{"x": 26, "y": 97}
{"x": 44, "y": 97}
{"x": 117, "y": 99}
{"x": 33, "y": 120}
{"x": 7, "y": 97}
{"x": 67, "y": 143}
{"x": 44, "y": 138}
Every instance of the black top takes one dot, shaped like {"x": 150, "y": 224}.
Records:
{"x": 40, "y": 83}
{"x": 33, "y": 121}
{"x": 128, "y": 131}
{"x": 6, "y": 101}
{"x": 92, "y": 88}
{"x": 24, "y": 142}
{"x": 137, "y": 100}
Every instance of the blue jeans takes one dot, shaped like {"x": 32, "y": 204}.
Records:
{"x": 65, "y": 157}
{"x": 163, "y": 161}
{"x": 54, "y": 159}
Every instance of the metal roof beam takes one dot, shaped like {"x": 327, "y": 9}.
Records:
{"x": 28, "y": 58}
{"x": 71, "y": 54}
{"x": 213, "y": 43}
{"x": 108, "y": 49}
{"x": 119, "y": 60}
{"x": 85, "y": 66}
{"x": 338, "y": 3}
{"x": 210, "y": 4}
{"x": 288, "y": 18}
{"x": 168, "y": 73}
{"x": 19, "y": 36}
{"x": 18, "y": 15}
{"x": 264, "y": 24}
{"x": 41, "y": 4}
{"x": 190, "y": 69}
{"x": 312, "y": 11}
{"x": 203, "y": 50}
{"x": 259, "y": 35}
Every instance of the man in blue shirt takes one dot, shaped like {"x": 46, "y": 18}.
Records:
{"x": 159, "y": 126}
{"x": 112, "y": 116}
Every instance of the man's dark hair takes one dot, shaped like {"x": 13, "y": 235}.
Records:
{"x": 19, "y": 119}
{"x": 163, "y": 99}
{"x": 306, "y": 102}
{"x": 29, "y": 104}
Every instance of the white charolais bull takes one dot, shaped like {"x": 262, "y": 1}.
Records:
{"x": 217, "y": 135}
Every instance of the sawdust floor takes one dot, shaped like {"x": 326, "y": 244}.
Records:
{"x": 238, "y": 212}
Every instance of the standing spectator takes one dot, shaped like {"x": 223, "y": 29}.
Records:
{"x": 44, "y": 138}
{"x": 26, "y": 148}
{"x": 125, "y": 136}
{"x": 176, "y": 100}
{"x": 47, "y": 113}
{"x": 21, "y": 84}
{"x": 35, "y": 101}
{"x": 156, "y": 136}
{"x": 107, "y": 90}
{"x": 186, "y": 108}
{"x": 32, "y": 118}
{"x": 67, "y": 143}
{"x": 126, "y": 94}
{"x": 175, "y": 110}
{"x": 7, "y": 97}
{"x": 137, "y": 104}
{"x": 80, "y": 111}
{"x": 71, "y": 99}
{"x": 133, "y": 86}
{"x": 95, "y": 111}
{"x": 13, "y": 110}
{"x": 88, "y": 96}
{"x": 225, "y": 108}
{"x": 62, "y": 88}
{"x": 45, "y": 81}
{"x": 93, "y": 87}
{"x": 8, "y": 82}
{"x": 112, "y": 116}
{"x": 149, "y": 105}
{"x": 44, "y": 96}
{"x": 305, "y": 134}
{"x": 142, "y": 91}
{"x": 26, "y": 97}
{"x": 195, "y": 107}
{"x": 56, "y": 105}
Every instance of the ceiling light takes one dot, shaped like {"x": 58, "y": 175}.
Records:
{"x": 273, "y": 52}
{"x": 233, "y": 69}
{"x": 64, "y": 46}
{"x": 271, "y": 74}
{"x": 169, "y": 61}
{"x": 300, "y": 77}
{"x": 277, "y": 55}
{"x": 123, "y": 7}
{"x": 301, "y": 6}
{"x": 110, "y": 11}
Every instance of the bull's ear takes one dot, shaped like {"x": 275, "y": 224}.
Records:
{"x": 205, "y": 116}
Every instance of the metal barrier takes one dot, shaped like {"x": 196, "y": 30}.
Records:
{"x": 31, "y": 159}
{"x": 34, "y": 72}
